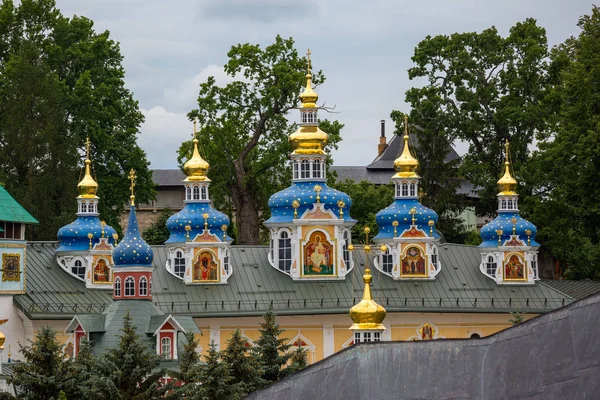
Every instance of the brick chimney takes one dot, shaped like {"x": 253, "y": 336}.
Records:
{"x": 382, "y": 141}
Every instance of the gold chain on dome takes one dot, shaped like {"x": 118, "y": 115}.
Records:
{"x": 87, "y": 187}
{"x": 406, "y": 165}
{"x": 507, "y": 184}
{"x": 196, "y": 168}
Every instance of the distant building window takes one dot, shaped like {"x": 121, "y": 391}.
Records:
{"x": 285, "y": 252}
{"x": 404, "y": 189}
{"x": 143, "y": 286}
{"x": 345, "y": 251}
{"x": 413, "y": 189}
{"x": 204, "y": 193}
{"x": 129, "y": 286}
{"x": 196, "y": 193}
{"x": 78, "y": 269}
{"x": 387, "y": 261}
{"x": 317, "y": 169}
{"x": 11, "y": 230}
{"x": 117, "y": 287}
{"x": 165, "y": 348}
{"x": 305, "y": 169}
{"x": 179, "y": 264}
{"x": 490, "y": 266}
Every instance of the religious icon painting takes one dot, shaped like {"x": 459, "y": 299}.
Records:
{"x": 11, "y": 267}
{"x": 413, "y": 263}
{"x": 101, "y": 272}
{"x": 318, "y": 256}
{"x": 514, "y": 268}
{"x": 206, "y": 267}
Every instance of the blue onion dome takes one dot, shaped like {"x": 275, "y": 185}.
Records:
{"x": 192, "y": 215}
{"x": 133, "y": 251}
{"x": 282, "y": 210}
{"x": 506, "y": 221}
{"x": 400, "y": 211}
{"x": 75, "y": 236}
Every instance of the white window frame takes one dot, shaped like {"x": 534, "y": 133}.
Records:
{"x": 489, "y": 261}
{"x": 81, "y": 265}
{"x": 166, "y": 341}
{"x": 434, "y": 256}
{"x": 204, "y": 193}
{"x": 404, "y": 189}
{"x": 296, "y": 169}
{"x": 387, "y": 261}
{"x": 128, "y": 287}
{"x": 284, "y": 264}
{"x": 304, "y": 169}
{"x": 117, "y": 290}
{"x": 179, "y": 261}
{"x": 345, "y": 251}
{"x": 413, "y": 189}
{"x": 317, "y": 169}
{"x": 195, "y": 193}
{"x": 144, "y": 286}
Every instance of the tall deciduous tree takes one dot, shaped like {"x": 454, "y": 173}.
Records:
{"x": 481, "y": 88}
{"x": 245, "y": 128}
{"x": 60, "y": 81}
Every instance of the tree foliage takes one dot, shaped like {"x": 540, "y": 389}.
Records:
{"x": 157, "y": 233}
{"x": 244, "y": 367}
{"x": 61, "y": 81}
{"x": 271, "y": 349}
{"x": 481, "y": 88}
{"x": 245, "y": 129}
{"x": 215, "y": 376}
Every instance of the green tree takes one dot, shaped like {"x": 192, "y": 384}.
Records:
{"x": 216, "y": 378}
{"x": 133, "y": 366}
{"x": 243, "y": 366}
{"x": 298, "y": 360}
{"x": 60, "y": 81}
{"x": 272, "y": 350}
{"x": 87, "y": 376}
{"x": 157, "y": 233}
{"x": 517, "y": 317}
{"x": 189, "y": 369}
{"x": 481, "y": 88}
{"x": 245, "y": 129}
{"x": 42, "y": 374}
{"x": 565, "y": 172}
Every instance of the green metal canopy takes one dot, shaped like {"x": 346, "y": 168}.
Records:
{"x": 12, "y": 211}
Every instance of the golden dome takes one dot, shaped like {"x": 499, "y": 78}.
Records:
{"x": 406, "y": 165}
{"x": 2, "y": 340}
{"x": 507, "y": 183}
{"x": 88, "y": 187}
{"x": 367, "y": 315}
{"x": 308, "y": 97}
{"x": 196, "y": 168}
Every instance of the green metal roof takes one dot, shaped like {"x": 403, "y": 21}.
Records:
{"x": 11, "y": 211}
{"x": 575, "y": 289}
{"x": 255, "y": 285}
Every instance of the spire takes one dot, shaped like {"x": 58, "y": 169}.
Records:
{"x": 132, "y": 177}
{"x": 367, "y": 315}
{"x": 309, "y": 97}
{"x": 406, "y": 165}
{"x": 196, "y": 168}
{"x": 507, "y": 184}
{"x": 88, "y": 186}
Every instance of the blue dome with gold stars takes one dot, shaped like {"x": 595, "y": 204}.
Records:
{"x": 74, "y": 236}
{"x": 193, "y": 215}
{"x": 281, "y": 208}
{"x": 133, "y": 251}
{"x": 399, "y": 211}
{"x": 504, "y": 221}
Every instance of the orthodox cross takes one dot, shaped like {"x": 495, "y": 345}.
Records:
{"x": 87, "y": 147}
{"x": 132, "y": 177}
{"x": 406, "y": 124}
{"x": 308, "y": 53}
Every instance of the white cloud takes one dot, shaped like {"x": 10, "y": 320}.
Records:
{"x": 161, "y": 135}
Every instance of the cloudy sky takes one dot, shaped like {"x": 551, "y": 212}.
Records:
{"x": 364, "y": 48}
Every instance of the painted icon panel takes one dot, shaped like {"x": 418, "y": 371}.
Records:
{"x": 318, "y": 255}
{"x": 413, "y": 263}
{"x": 102, "y": 272}
{"x": 11, "y": 267}
{"x": 206, "y": 267}
{"x": 514, "y": 268}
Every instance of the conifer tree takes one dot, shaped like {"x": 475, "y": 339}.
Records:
{"x": 41, "y": 376}
{"x": 298, "y": 361}
{"x": 216, "y": 379}
{"x": 244, "y": 367}
{"x": 188, "y": 372}
{"x": 271, "y": 350}
{"x": 89, "y": 376}
{"x": 133, "y": 365}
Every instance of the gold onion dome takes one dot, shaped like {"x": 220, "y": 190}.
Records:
{"x": 406, "y": 165}
{"x": 2, "y": 340}
{"x": 367, "y": 315}
{"x": 309, "y": 139}
{"x": 196, "y": 168}
{"x": 88, "y": 187}
{"x": 507, "y": 184}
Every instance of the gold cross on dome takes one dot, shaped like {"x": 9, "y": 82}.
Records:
{"x": 506, "y": 146}
{"x": 406, "y": 124}
{"x": 132, "y": 177}
{"x": 87, "y": 147}
{"x": 308, "y": 53}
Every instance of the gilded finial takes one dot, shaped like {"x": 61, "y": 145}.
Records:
{"x": 367, "y": 314}
{"x": 88, "y": 186}
{"x": 196, "y": 168}
{"x": 224, "y": 229}
{"x": 295, "y": 204}
{"x": 308, "y": 97}
{"x": 187, "y": 228}
{"x": 406, "y": 165}
{"x": 317, "y": 189}
{"x": 395, "y": 225}
{"x": 412, "y": 212}
{"x": 308, "y": 53}
{"x": 499, "y": 232}
{"x": 431, "y": 223}
{"x": 421, "y": 195}
{"x": 115, "y": 237}
{"x": 507, "y": 183}
{"x": 90, "y": 236}
{"x": 102, "y": 225}
{"x": 528, "y": 233}
{"x": 205, "y": 216}
{"x": 514, "y": 222}
{"x": 341, "y": 206}
{"x": 132, "y": 177}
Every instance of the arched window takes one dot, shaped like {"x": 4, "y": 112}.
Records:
{"x": 413, "y": 189}
{"x": 143, "y": 286}
{"x": 188, "y": 193}
{"x": 387, "y": 261}
{"x": 165, "y": 348}
{"x": 179, "y": 264}
{"x": 398, "y": 193}
{"x": 78, "y": 269}
{"x": 117, "y": 287}
{"x": 534, "y": 266}
{"x": 196, "y": 193}
{"x": 304, "y": 117}
{"x": 404, "y": 189}
{"x": 304, "y": 169}
{"x": 204, "y": 193}
{"x": 129, "y": 286}
{"x": 226, "y": 261}
{"x": 83, "y": 207}
{"x": 150, "y": 287}
{"x": 317, "y": 169}
{"x": 345, "y": 251}
{"x": 490, "y": 266}
{"x": 503, "y": 204}
{"x": 434, "y": 256}
{"x": 285, "y": 252}
{"x": 296, "y": 166}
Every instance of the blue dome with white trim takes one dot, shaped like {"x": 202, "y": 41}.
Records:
{"x": 133, "y": 251}
{"x": 399, "y": 211}
{"x": 192, "y": 215}
{"x": 504, "y": 221}
{"x": 74, "y": 236}
{"x": 281, "y": 208}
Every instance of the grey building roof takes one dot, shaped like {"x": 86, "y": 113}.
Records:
{"x": 575, "y": 289}
{"x": 255, "y": 285}
{"x": 551, "y": 357}
{"x": 168, "y": 177}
